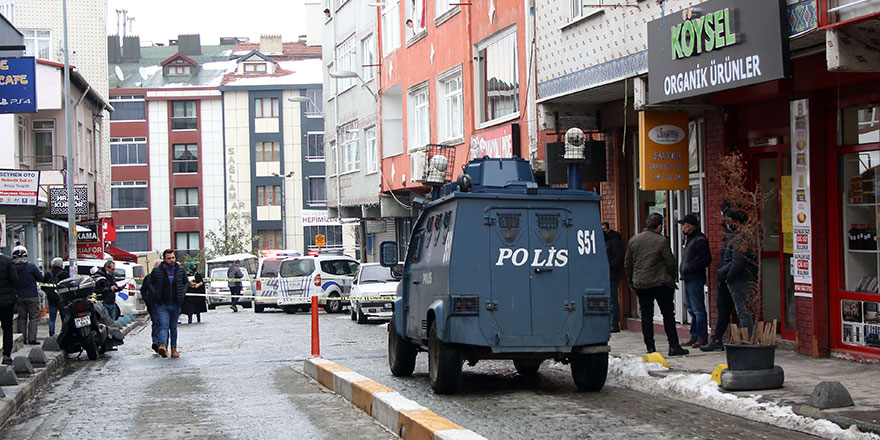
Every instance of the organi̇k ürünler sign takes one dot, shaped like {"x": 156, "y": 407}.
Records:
{"x": 716, "y": 45}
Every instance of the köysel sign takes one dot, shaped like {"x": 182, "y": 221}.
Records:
{"x": 19, "y": 187}
{"x": 717, "y": 45}
{"x": 501, "y": 142}
{"x": 18, "y": 91}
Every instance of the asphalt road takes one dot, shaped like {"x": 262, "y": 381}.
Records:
{"x": 239, "y": 376}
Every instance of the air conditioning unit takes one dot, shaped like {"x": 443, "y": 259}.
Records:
{"x": 417, "y": 160}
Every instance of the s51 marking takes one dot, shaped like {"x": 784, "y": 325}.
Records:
{"x": 586, "y": 241}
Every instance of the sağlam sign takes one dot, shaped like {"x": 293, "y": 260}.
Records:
{"x": 18, "y": 91}
{"x": 716, "y": 45}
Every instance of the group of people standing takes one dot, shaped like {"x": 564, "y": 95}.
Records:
{"x": 652, "y": 273}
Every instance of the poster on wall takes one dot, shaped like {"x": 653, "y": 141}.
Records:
{"x": 663, "y": 151}
{"x": 861, "y": 322}
{"x": 802, "y": 266}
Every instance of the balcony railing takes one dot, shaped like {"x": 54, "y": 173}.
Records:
{"x": 44, "y": 163}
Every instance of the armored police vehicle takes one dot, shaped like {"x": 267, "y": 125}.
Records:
{"x": 498, "y": 268}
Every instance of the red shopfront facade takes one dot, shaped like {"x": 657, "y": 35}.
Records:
{"x": 841, "y": 315}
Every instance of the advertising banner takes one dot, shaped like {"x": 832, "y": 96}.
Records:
{"x": 312, "y": 217}
{"x": 717, "y": 45}
{"x": 87, "y": 234}
{"x": 18, "y": 85}
{"x": 92, "y": 251}
{"x": 663, "y": 150}
{"x": 108, "y": 229}
{"x": 18, "y": 187}
{"x": 58, "y": 200}
{"x": 501, "y": 142}
{"x": 802, "y": 264}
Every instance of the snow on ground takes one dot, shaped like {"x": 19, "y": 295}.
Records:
{"x": 630, "y": 372}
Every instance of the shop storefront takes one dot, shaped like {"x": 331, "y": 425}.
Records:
{"x": 811, "y": 141}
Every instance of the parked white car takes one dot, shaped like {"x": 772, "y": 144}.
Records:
{"x": 373, "y": 280}
{"x": 222, "y": 288}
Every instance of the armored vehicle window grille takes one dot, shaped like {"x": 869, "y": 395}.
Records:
{"x": 548, "y": 226}
{"x": 416, "y": 252}
{"x": 508, "y": 221}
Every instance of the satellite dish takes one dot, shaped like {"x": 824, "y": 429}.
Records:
{"x": 119, "y": 74}
{"x": 144, "y": 73}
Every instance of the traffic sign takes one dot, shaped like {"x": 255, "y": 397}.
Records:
{"x": 320, "y": 240}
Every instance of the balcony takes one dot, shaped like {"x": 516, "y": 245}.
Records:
{"x": 43, "y": 163}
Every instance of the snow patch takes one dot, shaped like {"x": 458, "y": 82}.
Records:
{"x": 630, "y": 372}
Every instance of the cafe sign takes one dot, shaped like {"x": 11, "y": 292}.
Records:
{"x": 716, "y": 45}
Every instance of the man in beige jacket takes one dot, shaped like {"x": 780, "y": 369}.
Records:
{"x": 652, "y": 272}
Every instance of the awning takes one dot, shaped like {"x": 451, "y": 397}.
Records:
{"x": 62, "y": 224}
{"x": 120, "y": 254}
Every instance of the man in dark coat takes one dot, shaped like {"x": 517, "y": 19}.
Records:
{"x": 234, "y": 272}
{"x": 615, "y": 251}
{"x": 723, "y": 301}
{"x": 56, "y": 273}
{"x": 168, "y": 284}
{"x": 146, "y": 294}
{"x": 694, "y": 261}
{"x": 651, "y": 271}
{"x": 8, "y": 280}
{"x": 740, "y": 272}
{"x": 106, "y": 287}
{"x": 28, "y": 295}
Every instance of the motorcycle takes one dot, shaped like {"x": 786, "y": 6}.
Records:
{"x": 86, "y": 325}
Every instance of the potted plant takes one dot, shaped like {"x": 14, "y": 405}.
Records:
{"x": 752, "y": 346}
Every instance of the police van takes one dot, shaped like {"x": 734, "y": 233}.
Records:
{"x": 266, "y": 287}
{"x": 301, "y": 277}
{"x": 498, "y": 268}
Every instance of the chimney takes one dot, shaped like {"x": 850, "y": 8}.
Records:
{"x": 189, "y": 44}
{"x": 131, "y": 49}
{"x": 114, "y": 53}
{"x": 271, "y": 45}
{"x": 303, "y": 38}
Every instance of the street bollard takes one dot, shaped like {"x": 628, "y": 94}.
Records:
{"x": 316, "y": 344}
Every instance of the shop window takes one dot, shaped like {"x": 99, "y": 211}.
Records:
{"x": 390, "y": 26}
{"x": 37, "y": 43}
{"x": 128, "y": 108}
{"x": 859, "y": 177}
{"x": 186, "y": 202}
{"x": 186, "y": 158}
{"x": 859, "y": 125}
{"x": 266, "y": 108}
{"x": 332, "y": 236}
{"x": 497, "y": 78}
{"x": 183, "y": 115}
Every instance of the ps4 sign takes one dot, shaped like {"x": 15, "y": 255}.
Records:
{"x": 18, "y": 91}
{"x": 716, "y": 45}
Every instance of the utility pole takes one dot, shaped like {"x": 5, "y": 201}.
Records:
{"x": 68, "y": 125}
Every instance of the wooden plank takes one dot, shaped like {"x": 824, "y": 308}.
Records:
{"x": 745, "y": 335}
{"x": 773, "y": 340}
{"x": 758, "y": 334}
{"x": 734, "y": 334}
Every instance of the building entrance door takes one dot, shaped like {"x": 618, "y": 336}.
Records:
{"x": 770, "y": 168}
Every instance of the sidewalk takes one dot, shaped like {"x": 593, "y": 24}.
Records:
{"x": 802, "y": 374}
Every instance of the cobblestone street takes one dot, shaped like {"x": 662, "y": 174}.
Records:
{"x": 239, "y": 376}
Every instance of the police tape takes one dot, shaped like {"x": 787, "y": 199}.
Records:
{"x": 298, "y": 298}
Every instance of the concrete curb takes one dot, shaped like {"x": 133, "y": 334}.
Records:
{"x": 402, "y": 416}
{"x": 16, "y": 396}
{"x": 839, "y": 419}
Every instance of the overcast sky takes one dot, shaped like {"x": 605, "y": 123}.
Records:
{"x": 161, "y": 20}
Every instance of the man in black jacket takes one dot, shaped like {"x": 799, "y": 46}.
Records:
{"x": 694, "y": 261}
{"x": 106, "y": 287}
{"x": 56, "y": 273}
{"x": 8, "y": 278}
{"x": 615, "y": 251}
{"x": 168, "y": 284}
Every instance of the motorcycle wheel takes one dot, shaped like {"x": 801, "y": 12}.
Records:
{"x": 90, "y": 347}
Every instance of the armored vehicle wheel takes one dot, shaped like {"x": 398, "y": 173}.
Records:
{"x": 361, "y": 317}
{"x": 290, "y": 310}
{"x": 401, "y": 354}
{"x": 589, "y": 371}
{"x": 528, "y": 367}
{"x": 333, "y": 306}
{"x": 444, "y": 364}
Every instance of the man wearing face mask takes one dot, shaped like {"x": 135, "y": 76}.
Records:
{"x": 615, "y": 251}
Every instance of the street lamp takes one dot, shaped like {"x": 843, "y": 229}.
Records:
{"x": 305, "y": 100}
{"x": 283, "y": 178}
{"x": 339, "y": 74}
